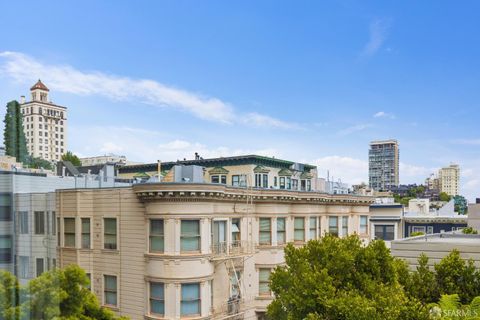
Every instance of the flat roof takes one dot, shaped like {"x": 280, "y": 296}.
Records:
{"x": 215, "y": 162}
{"x": 447, "y": 237}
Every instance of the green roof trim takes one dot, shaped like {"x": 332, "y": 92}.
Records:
{"x": 261, "y": 169}
{"x": 218, "y": 170}
{"x": 285, "y": 172}
{"x": 142, "y": 175}
{"x": 306, "y": 175}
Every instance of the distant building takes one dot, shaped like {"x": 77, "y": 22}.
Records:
{"x": 108, "y": 158}
{"x": 239, "y": 171}
{"x": 449, "y": 179}
{"x": 420, "y": 217}
{"x": 386, "y": 220}
{"x": 383, "y": 165}
{"x": 28, "y": 223}
{"x": 436, "y": 246}
{"x": 45, "y": 125}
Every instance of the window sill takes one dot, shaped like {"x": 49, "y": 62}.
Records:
{"x": 111, "y": 251}
{"x": 113, "y": 308}
{"x": 264, "y": 297}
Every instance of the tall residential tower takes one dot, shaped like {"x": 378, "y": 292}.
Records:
{"x": 45, "y": 125}
{"x": 383, "y": 165}
{"x": 449, "y": 179}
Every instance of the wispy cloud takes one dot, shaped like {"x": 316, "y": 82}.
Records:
{"x": 260, "y": 120}
{"x": 377, "y": 36}
{"x": 65, "y": 78}
{"x": 383, "y": 114}
{"x": 356, "y": 128}
{"x": 137, "y": 144}
{"x": 471, "y": 142}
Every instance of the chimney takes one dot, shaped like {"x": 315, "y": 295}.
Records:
{"x": 22, "y": 99}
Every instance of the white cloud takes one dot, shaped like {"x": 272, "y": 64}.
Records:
{"x": 260, "y": 120}
{"x": 378, "y": 35}
{"x": 349, "y": 170}
{"x": 147, "y": 146}
{"x": 383, "y": 114}
{"x": 353, "y": 129}
{"x": 414, "y": 174}
{"x": 64, "y": 78}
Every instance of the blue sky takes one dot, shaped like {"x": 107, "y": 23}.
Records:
{"x": 307, "y": 81}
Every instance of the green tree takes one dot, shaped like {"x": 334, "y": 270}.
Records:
{"x": 9, "y": 296}
{"x": 13, "y": 134}
{"x": 340, "y": 278}
{"x": 69, "y": 156}
{"x": 444, "y": 196}
{"x": 423, "y": 284}
{"x": 64, "y": 294}
{"x": 38, "y": 163}
{"x": 457, "y": 276}
{"x": 469, "y": 230}
{"x": 461, "y": 204}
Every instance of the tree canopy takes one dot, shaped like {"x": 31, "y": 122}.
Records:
{"x": 60, "y": 294}
{"x": 340, "y": 278}
{"x": 69, "y": 156}
{"x": 13, "y": 134}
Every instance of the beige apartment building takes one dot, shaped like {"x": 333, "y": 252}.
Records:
{"x": 44, "y": 124}
{"x": 193, "y": 250}
{"x": 449, "y": 179}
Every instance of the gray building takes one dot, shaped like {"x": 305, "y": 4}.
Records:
{"x": 28, "y": 223}
{"x": 383, "y": 165}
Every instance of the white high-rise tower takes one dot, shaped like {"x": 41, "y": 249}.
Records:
{"x": 45, "y": 125}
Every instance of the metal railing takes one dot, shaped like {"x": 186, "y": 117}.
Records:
{"x": 232, "y": 309}
{"x": 236, "y": 247}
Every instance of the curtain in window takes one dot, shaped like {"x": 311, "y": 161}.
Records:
{"x": 69, "y": 231}
{"x": 313, "y": 227}
{"x": 110, "y": 290}
{"x": 190, "y": 304}
{"x": 157, "y": 298}
{"x": 190, "y": 235}
{"x": 263, "y": 281}
{"x": 299, "y": 232}
{"x": 110, "y": 233}
{"x": 344, "y": 226}
{"x": 281, "y": 230}
{"x": 156, "y": 236}
{"x": 333, "y": 225}
{"x": 86, "y": 233}
{"x": 265, "y": 236}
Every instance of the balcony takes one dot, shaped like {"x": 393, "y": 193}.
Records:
{"x": 233, "y": 309}
{"x": 237, "y": 248}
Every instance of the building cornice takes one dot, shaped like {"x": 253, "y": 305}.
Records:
{"x": 210, "y": 192}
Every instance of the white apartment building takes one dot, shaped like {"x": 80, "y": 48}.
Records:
{"x": 194, "y": 250}
{"x": 449, "y": 179}
{"x": 44, "y": 124}
{"x": 108, "y": 158}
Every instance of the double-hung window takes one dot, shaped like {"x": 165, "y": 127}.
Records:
{"x": 86, "y": 233}
{"x": 363, "y": 224}
{"x": 157, "y": 298}
{"x": 69, "y": 232}
{"x": 313, "y": 228}
{"x": 23, "y": 222}
{"x": 333, "y": 225}
{"x": 156, "y": 236}
{"x": 281, "y": 237}
{"x": 265, "y": 231}
{"x": 344, "y": 226}
{"x": 190, "y": 299}
{"x": 110, "y": 290}
{"x": 264, "y": 282}
{"x": 299, "y": 230}
{"x": 39, "y": 222}
{"x": 110, "y": 233}
{"x": 5, "y": 249}
{"x": 190, "y": 236}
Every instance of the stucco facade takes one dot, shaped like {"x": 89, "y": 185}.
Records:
{"x": 194, "y": 251}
